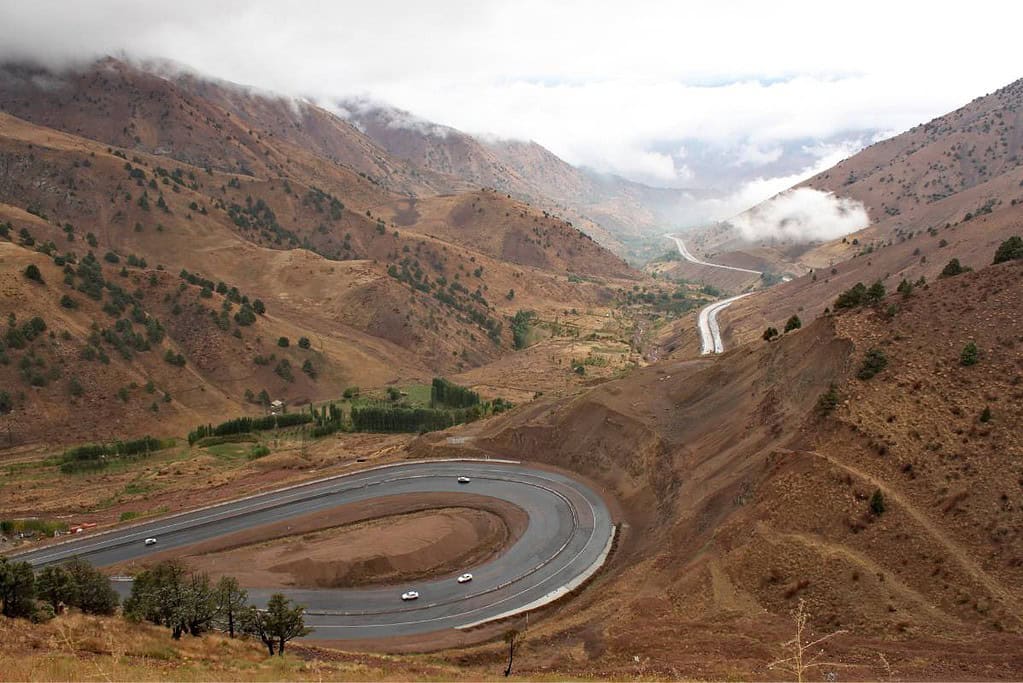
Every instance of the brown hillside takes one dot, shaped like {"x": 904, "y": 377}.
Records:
{"x": 381, "y": 300}
{"x": 947, "y": 172}
{"x": 741, "y": 498}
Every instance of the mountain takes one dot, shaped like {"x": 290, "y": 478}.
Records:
{"x": 618, "y": 213}
{"x": 195, "y": 199}
{"x": 937, "y": 176}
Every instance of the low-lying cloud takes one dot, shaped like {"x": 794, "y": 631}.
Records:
{"x": 802, "y": 215}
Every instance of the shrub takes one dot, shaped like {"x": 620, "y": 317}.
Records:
{"x": 877, "y": 505}
{"x": 852, "y": 297}
{"x": 350, "y": 392}
{"x": 68, "y": 302}
{"x": 283, "y": 342}
{"x": 873, "y": 362}
{"x": 827, "y": 401}
{"x": 953, "y": 268}
{"x": 969, "y": 355}
{"x": 793, "y": 323}
{"x": 770, "y": 333}
{"x": 303, "y": 343}
{"x": 1009, "y": 250}
{"x": 985, "y": 415}
{"x": 33, "y": 273}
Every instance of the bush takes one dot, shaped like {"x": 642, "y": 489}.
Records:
{"x": 827, "y": 401}
{"x": 877, "y": 505}
{"x": 873, "y": 362}
{"x": 852, "y": 297}
{"x": 350, "y": 392}
{"x": 1009, "y": 250}
{"x": 770, "y": 333}
{"x": 283, "y": 342}
{"x": 953, "y": 268}
{"x": 793, "y": 323}
{"x": 985, "y": 415}
{"x": 969, "y": 355}
{"x": 303, "y": 343}
{"x": 33, "y": 273}
{"x": 68, "y": 302}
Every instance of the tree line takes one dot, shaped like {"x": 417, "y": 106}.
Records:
{"x": 243, "y": 425}
{"x": 166, "y": 594}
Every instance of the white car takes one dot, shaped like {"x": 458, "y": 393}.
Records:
{"x": 410, "y": 595}
{"x": 465, "y": 578}
{"x": 150, "y": 541}
{"x": 464, "y": 480}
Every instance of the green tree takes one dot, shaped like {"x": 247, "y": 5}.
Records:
{"x": 17, "y": 589}
{"x": 969, "y": 355}
{"x": 874, "y": 361}
{"x": 231, "y": 601}
{"x": 283, "y": 342}
{"x": 1009, "y": 250}
{"x": 793, "y": 323}
{"x": 259, "y": 307}
{"x": 953, "y": 268}
{"x": 877, "y": 504}
{"x": 55, "y": 585}
{"x": 279, "y": 623}
{"x": 93, "y": 592}
{"x": 303, "y": 343}
{"x": 852, "y": 297}
{"x": 875, "y": 293}
{"x": 770, "y": 333}
{"x": 985, "y": 415}
{"x": 32, "y": 272}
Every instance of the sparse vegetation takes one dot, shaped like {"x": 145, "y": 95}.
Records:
{"x": 970, "y": 355}
{"x": 873, "y": 362}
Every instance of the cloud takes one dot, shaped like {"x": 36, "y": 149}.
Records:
{"x": 802, "y": 214}
{"x": 597, "y": 84}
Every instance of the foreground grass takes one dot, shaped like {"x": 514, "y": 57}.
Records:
{"x": 76, "y": 647}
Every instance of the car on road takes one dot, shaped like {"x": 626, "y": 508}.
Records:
{"x": 464, "y": 480}
{"x": 465, "y": 578}
{"x": 410, "y": 595}
{"x": 150, "y": 541}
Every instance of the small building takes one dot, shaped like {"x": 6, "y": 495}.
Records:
{"x": 276, "y": 407}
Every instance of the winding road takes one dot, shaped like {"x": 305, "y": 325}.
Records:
{"x": 707, "y": 321}
{"x": 568, "y": 538}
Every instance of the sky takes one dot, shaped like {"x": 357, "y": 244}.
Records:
{"x": 739, "y": 96}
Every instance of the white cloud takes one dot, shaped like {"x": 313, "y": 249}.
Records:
{"x": 598, "y": 82}
{"x": 802, "y": 215}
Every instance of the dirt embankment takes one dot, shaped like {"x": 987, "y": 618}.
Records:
{"x": 741, "y": 498}
{"x": 385, "y": 541}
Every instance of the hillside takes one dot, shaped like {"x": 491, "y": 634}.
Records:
{"x": 945, "y": 173}
{"x": 744, "y": 491}
{"x": 189, "y": 201}
{"x": 619, "y": 214}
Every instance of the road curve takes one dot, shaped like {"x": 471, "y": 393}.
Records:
{"x": 710, "y": 333}
{"x": 688, "y": 256}
{"x": 707, "y": 321}
{"x": 568, "y": 536}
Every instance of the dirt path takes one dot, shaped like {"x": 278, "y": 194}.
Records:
{"x": 954, "y": 550}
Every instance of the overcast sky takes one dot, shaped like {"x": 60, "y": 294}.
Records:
{"x": 629, "y": 87}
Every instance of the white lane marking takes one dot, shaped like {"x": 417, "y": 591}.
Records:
{"x": 557, "y": 593}
{"x": 272, "y": 499}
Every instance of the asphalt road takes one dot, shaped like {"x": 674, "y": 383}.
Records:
{"x": 569, "y": 530}
{"x": 707, "y": 322}
{"x": 688, "y": 256}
